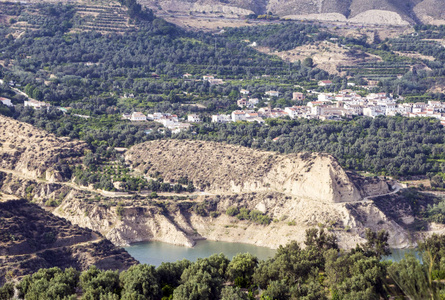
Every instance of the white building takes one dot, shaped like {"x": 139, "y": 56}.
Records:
{"x": 325, "y": 97}
{"x": 208, "y": 77}
{"x": 373, "y": 111}
{"x": 37, "y": 104}
{"x": 221, "y": 119}
{"x": 253, "y": 101}
{"x": 244, "y": 92}
{"x": 138, "y": 116}
{"x": 238, "y": 115}
{"x": 6, "y": 101}
{"x": 178, "y": 127}
{"x": 293, "y": 112}
{"x": 324, "y": 83}
{"x": 193, "y": 118}
{"x": 272, "y": 93}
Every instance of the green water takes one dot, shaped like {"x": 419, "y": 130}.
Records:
{"x": 154, "y": 253}
{"x": 399, "y": 254}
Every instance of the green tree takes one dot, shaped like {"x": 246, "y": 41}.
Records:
{"x": 7, "y": 291}
{"x": 48, "y": 284}
{"x": 414, "y": 278}
{"x": 241, "y": 269}
{"x": 233, "y": 293}
{"x": 203, "y": 279}
{"x": 376, "y": 243}
{"x": 97, "y": 284}
{"x": 276, "y": 290}
{"x": 140, "y": 282}
{"x": 308, "y": 62}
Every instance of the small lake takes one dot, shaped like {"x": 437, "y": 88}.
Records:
{"x": 154, "y": 253}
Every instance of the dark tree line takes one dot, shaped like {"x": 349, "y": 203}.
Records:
{"x": 386, "y": 145}
{"x": 319, "y": 271}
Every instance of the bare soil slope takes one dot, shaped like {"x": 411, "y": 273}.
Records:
{"x": 34, "y": 152}
{"x": 395, "y": 12}
{"x": 223, "y": 168}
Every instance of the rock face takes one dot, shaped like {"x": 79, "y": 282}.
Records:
{"x": 222, "y": 168}
{"x": 34, "y": 153}
{"x": 179, "y": 224}
{"x": 32, "y": 238}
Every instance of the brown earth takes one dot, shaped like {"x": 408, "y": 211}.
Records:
{"x": 326, "y": 55}
{"x": 223, "y": 168}
{"x": 34, "y": 152}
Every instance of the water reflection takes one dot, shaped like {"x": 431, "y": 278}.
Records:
{"x": 154, "y": 253}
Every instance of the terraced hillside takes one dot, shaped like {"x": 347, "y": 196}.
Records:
{"x": 396, "y": 12}
{"x": 105, "y": 17}
{"x": 32, "y": 238}
{"x": 35, "y": 153}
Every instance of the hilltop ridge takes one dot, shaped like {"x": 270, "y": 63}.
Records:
{"x": 223, "y": 168}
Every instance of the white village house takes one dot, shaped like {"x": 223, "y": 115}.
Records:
{"x": 6, "y": 101}
{"x": 193, "y": 118}
{"x": 37, "y": 104}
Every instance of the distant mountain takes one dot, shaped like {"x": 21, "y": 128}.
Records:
{"x": 396, "y": 12}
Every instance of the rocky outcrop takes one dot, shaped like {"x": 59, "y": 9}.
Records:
{"x": 136, "y": 219}
{"x": 222, "y": 168}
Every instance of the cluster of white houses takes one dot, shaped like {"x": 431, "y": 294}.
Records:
{"x": 169, "y": 121}
{"x": 344, "y": 104}
{"x": 347, "y": 103}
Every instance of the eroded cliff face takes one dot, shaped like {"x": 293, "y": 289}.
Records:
{"x": 297, "y": 191}
{"x": 223, "y": 168}
{"x": 132, "y": 219}
{"x": 179, "y": 225}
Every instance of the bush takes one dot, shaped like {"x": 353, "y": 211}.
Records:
{"x": 232, "y": 211}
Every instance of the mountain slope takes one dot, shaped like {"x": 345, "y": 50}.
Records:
{"x": 35, "y": 153}
{"x": 296, "y": 191}
{"x": 396, "y": 12}
{"x": 223, "y": 168}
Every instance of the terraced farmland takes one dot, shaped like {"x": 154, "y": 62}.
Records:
{"x": 111, "y": 18}
{"x": 376, "y": 70}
